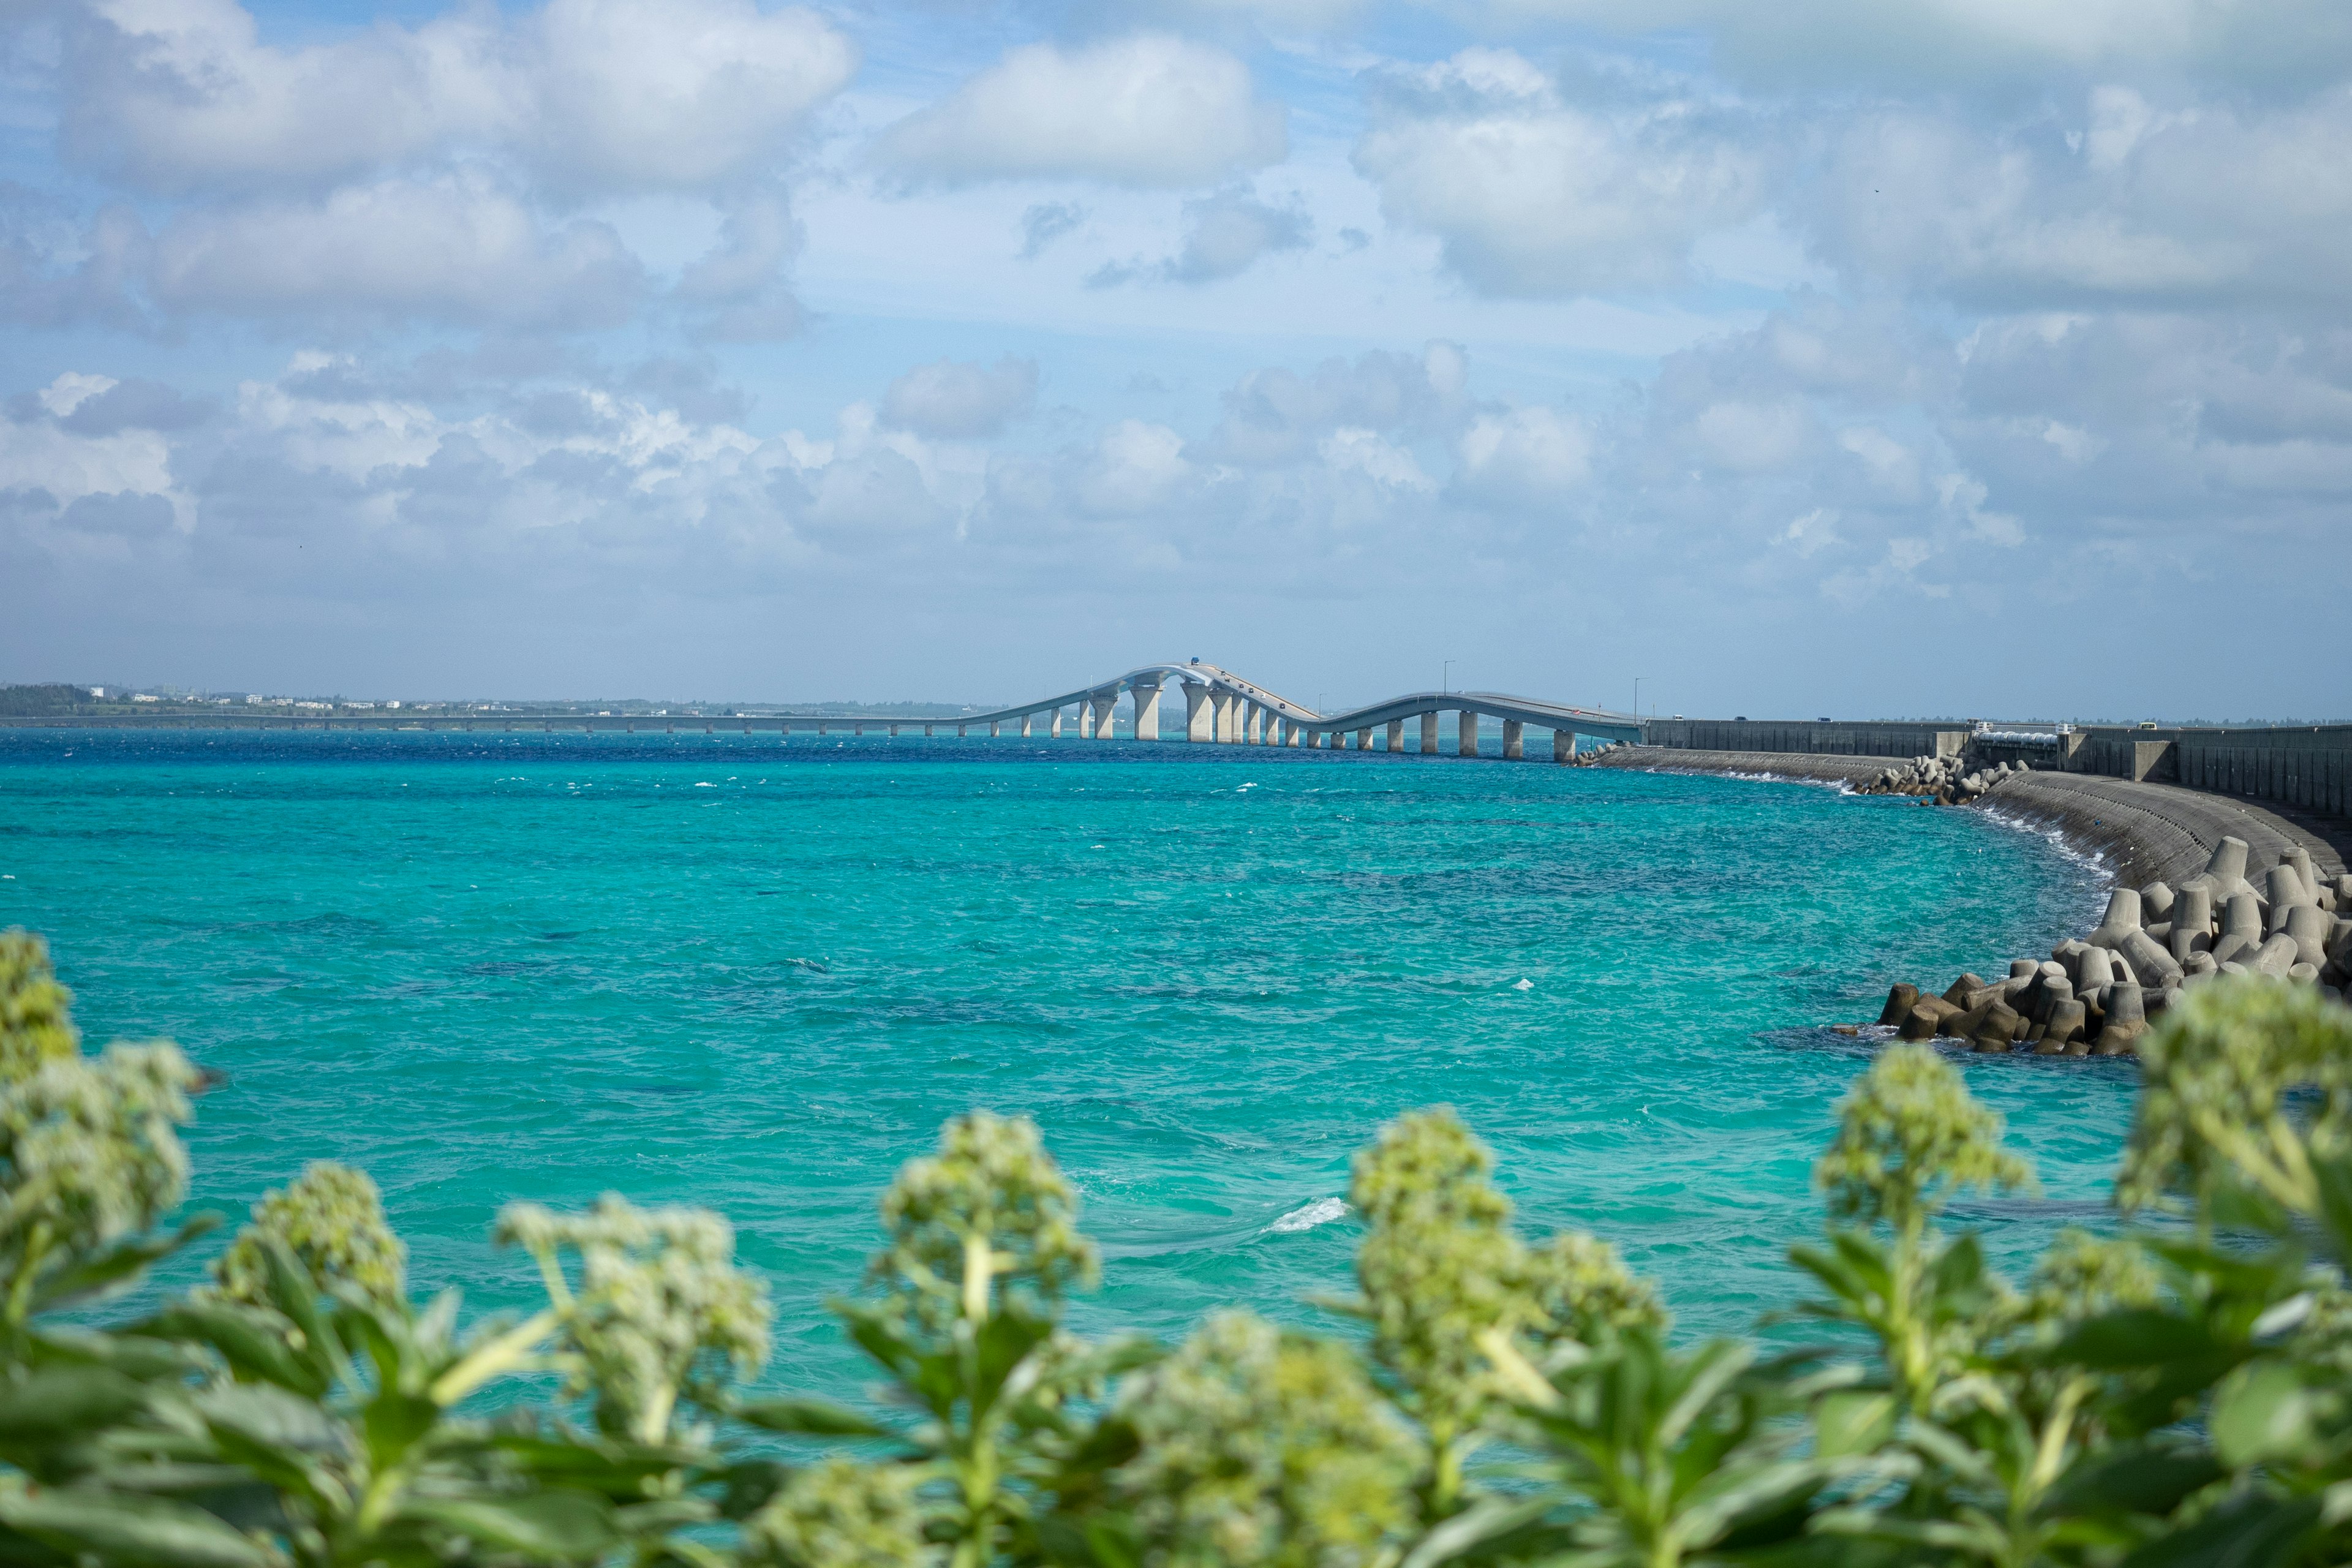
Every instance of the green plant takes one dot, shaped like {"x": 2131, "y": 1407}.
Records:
{"x": 2152, "y": 1398}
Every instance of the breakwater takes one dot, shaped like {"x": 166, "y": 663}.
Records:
{"x": 2211, "y": 885}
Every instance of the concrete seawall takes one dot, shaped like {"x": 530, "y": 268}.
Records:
{"x": 2148, "y": 830}
{"x": 2305, "y": 771}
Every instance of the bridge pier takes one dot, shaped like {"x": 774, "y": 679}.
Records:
{"x": 1055, "y": 728}
{"x": 1466, "y": 734}
{"x": 1515, "y": 740}
{"x": 1199, "y": 712}
{"x": 1428, "y": 735}
{"x": 961, "y": 729}
{"x": 1105, "y": 706}
{"x": 1364, "y": 740}
{"x": 928, "y": 728}
{"x": 1147, "y": 709}
{"x": 1028, "y": 721}
{"x": 1228, "y": 718}
{"x": 1394, "y": 740}
{"x": 1252, "y": 724}
{"x": 1292, "y": 735}
{"x": 1563, "y": 745}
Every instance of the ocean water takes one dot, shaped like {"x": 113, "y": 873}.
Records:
{"x": 757, "y": 975}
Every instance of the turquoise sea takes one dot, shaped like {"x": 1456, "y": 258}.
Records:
{"x": 756, "y": 975}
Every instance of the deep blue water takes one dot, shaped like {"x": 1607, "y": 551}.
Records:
{"x": 756, "y": 975}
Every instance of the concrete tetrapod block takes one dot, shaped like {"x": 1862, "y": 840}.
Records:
{"x": 2122, "y": 919}
{"x": 2304, "y": 973}
{"x": 1999, "y": 1030}
{"x": 2197, "y": 966}
{"x": 2274, "y": 957}
{"x": 2098, "y": 972}
{"x": 2241, "y": 927}
{"x": 2300, "y": 858}
{"x": 2024, "y": 968}
{"x": 2193, "y": 922}
{"x": 2225, "y": 869}
{"x": 2310, "y": 926}
{"x": 1962, "y": 988}
{"x": 2284, "y": 888}
{"x": 2067, "y": 1023}
{"x": 1900, "y": 1000}
{"x": 1925, "y": 1019}
{"x": 2149, "y": 962}
{"x": 2156, "y": 902}
{"x": 2127, "y": 1021}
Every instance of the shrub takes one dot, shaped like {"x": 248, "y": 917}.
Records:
{"x": 2165, "y": 1395}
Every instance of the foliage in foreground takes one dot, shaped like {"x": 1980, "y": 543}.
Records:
{"x": 2178, "y": 1393}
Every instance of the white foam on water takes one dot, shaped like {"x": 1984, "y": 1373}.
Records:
{"x": 1322, "y": 1211}
{"x": 2089, "y": 859}
{"x": 1523, "y": 985}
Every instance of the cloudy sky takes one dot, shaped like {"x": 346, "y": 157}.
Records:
{"x": 1959, "y": 356}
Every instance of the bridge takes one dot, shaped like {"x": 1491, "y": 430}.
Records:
{"x": 1220, "y": 708}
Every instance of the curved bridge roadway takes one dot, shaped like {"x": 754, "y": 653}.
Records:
{"x": 1221, "y": 706}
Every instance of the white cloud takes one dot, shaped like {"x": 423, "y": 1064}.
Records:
{"x": 2220, "y": 205}
{"x": 455, "y": 248}
{"x": 1532, "y": 196}
{"x": 1532, "y": 457}
{"x": 1367, "y": 453}
{"x": 1150, "y": 110}
{"x": 1990, "y": 44}
{"x": 1136, "y": 466}
{"x": 1224, "y": 234}
{"x": 1812, "y": 534}
{"x": 954, "y": 401}
{"x": 1755, "y": 437}
{"x": 593, "y": 95}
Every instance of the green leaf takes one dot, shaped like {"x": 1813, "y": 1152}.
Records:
{"x": 2153, "y": 1476}
{"x": 2262, "y": 1411}
{"x": 1856, "y": 1422}
{"x": 1482, "y": 1522}
{"x": 117, "y": 1265}
{"x": 2251, "y": 1530}
{"x": 2133, "y": 1337}
{"x": 393, "y": 1422}
{"x": 809, "y": 1418}
{"x": 546, "y": 1527}
{"x": 124, "y": 1529}
{"x": 58, "y": 1403}
{"x": 252, "y": 1341}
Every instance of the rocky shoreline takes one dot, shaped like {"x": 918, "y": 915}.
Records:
{"x": 2224, "y": 887}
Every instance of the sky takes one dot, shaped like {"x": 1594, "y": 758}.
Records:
{"x": 1959, "y": 357}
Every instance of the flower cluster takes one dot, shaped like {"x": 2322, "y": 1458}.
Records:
{"x": 840, "y": 1514}
{"x": 1262, "y": 1449}
{"x": 332, "y": 1221}
{"x": 990, "y": 1207}
{"x": 1584, "y": 1292}
{"x": 659, "y": 1299}
{"x": 90, "y": 1152}
{"x": 36, "y": 1017}
{"x": 1440, "y": 1270}
{"x": 1909, "y": 1136}
{"x": 2215, "y": 1096}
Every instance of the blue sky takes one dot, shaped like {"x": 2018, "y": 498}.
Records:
{"x": 1965, "y": 356}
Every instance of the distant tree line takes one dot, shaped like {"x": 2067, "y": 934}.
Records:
{"x": 38, "y": 702}
{"x": 2177, "y": 1393}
